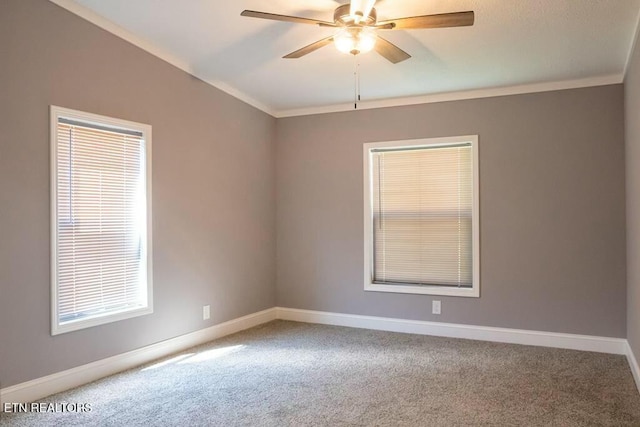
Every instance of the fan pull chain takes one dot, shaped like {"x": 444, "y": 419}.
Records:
{"x": 356, "y": 82}
{"x": 358, "y": 70}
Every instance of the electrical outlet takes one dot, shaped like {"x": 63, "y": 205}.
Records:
{"x": 206, "y": 312}
{"x": 436, "y": 307}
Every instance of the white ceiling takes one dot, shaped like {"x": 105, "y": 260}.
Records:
{"x": 512, "y": 43}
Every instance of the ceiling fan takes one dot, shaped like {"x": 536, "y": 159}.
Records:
{"x": 357, "y": 26}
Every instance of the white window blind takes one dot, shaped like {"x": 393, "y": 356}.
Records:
{"x": 101, "y": 221}
{"x": 422, "y": 200}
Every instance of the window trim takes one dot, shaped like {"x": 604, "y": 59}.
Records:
{"x": 61, "y": 112}
{"x": 474, "y": 291}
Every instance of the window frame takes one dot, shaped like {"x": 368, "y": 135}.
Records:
{"x": 56, "y": 113}
{"x": 369, "y": 285}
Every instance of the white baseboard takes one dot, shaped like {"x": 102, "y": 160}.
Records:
{"x": 33, "y": 390}
{"x": 633, "y": 364}
{"x": 38, "y": 388}
{"x": 482, "y": 333}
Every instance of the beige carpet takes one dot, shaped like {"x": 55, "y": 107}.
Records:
{"x": 295, "y": 374}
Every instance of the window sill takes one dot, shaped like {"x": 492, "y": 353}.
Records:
{"x": 424, "y": 290}
{"x": 99, "y": 320}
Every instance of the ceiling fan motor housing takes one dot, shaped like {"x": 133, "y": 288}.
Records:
{"x": 342, "y": 16}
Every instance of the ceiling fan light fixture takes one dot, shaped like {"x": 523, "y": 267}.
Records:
{"x": 355, "y": 40}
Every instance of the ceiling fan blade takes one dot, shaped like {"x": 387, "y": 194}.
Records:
{"x": 286, "y": 18}
{"x": 390, "y": 51}
{"x": 309, "y": 48}
{"x": 387, "y": 26}
{"x": 442, "y": 20}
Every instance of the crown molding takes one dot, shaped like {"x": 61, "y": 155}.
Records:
{"x": 458, "y": 96}
{"x": 632, "y": 47}
{"x": 107, "y": 25}
{"x": 172, "y": 59}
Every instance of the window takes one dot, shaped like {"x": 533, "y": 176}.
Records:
{"x": 101, "y": 220}
{"x": 421, "y": 216}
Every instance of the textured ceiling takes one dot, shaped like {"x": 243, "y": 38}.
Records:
{"x": 514, "y": 42}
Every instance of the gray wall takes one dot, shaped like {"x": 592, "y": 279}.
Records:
{"x": 552, "y": 199}
{"x": 213, "y": 188}
{"x": 552, "y": 210}
{"x": 632, "y": 129}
